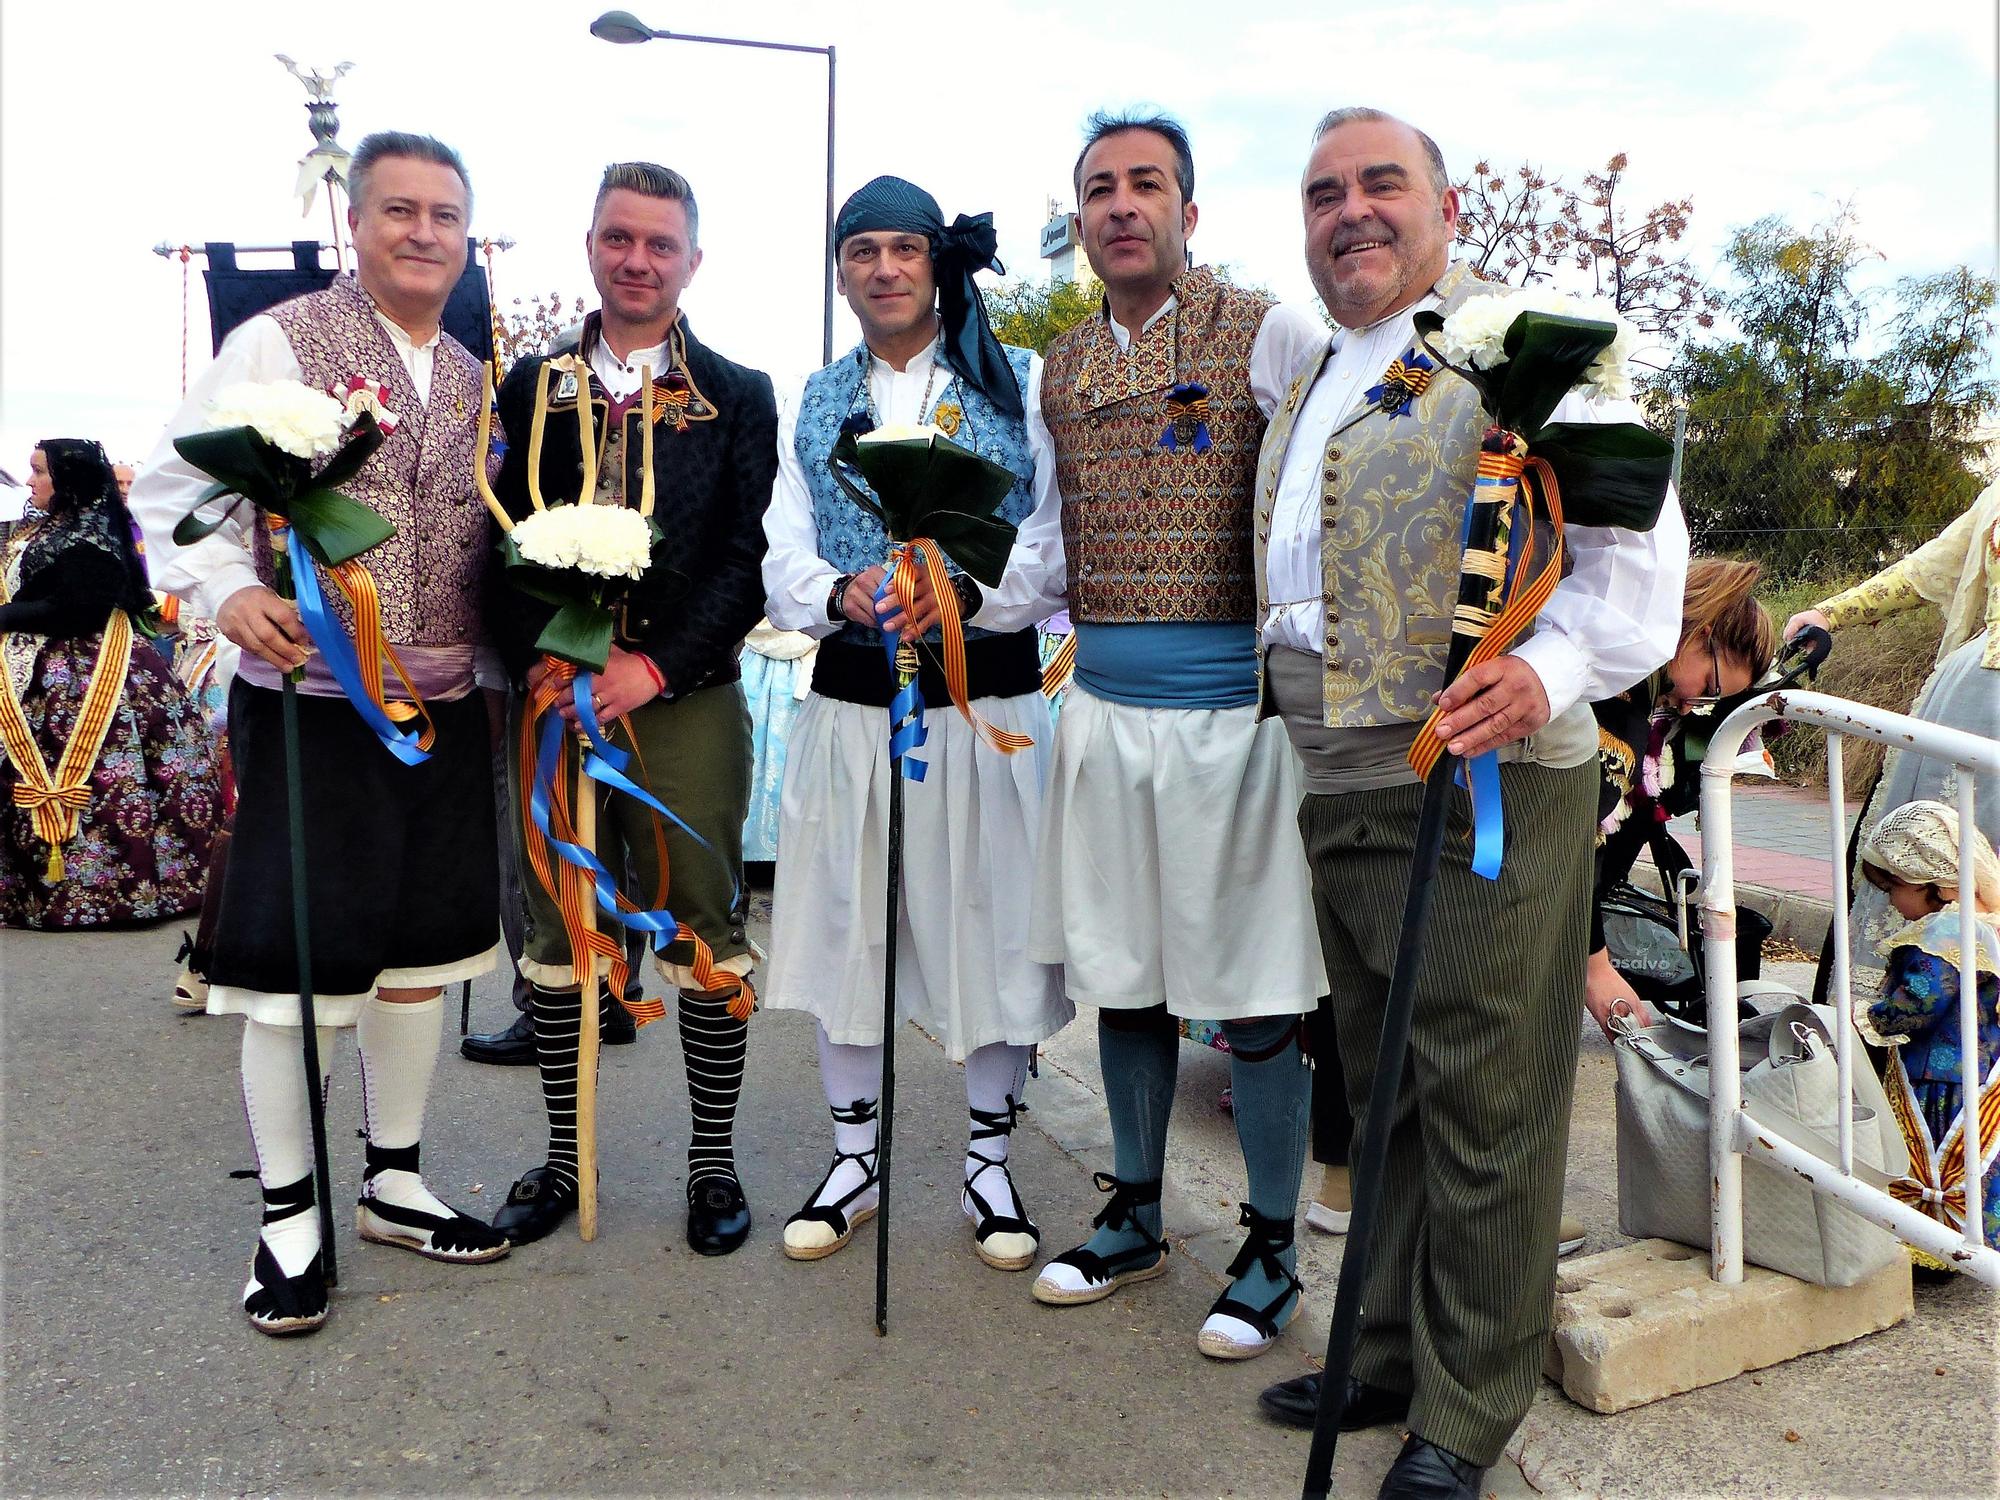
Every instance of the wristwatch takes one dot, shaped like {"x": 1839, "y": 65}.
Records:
{"x": 835, "y": 612}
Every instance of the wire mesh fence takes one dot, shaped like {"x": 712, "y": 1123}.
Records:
{"x": 1826, "y": 506}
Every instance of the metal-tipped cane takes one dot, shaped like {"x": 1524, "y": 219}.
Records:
{"x": 906, "y": 673}
{"x": 295, "y": 812}
{"x": 1373, "y": 1152}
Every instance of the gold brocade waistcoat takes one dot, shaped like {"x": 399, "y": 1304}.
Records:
{"x": 1393, "y": 492}
{"x": 1152, "y": 533}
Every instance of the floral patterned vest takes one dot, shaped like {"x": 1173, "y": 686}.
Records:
{"x": 430, "y": 574}
{"x": 1158, "y": 534}
{"x": 850, "y": 539}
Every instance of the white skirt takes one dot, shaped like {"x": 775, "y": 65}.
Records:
{"x": 1172, "y": 869}
{"x": 969, "y": 836}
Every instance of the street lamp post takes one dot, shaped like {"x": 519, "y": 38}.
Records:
{"x": 623, "y": 27}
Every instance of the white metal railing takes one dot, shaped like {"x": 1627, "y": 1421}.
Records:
{"x": 1733, "y": 1132}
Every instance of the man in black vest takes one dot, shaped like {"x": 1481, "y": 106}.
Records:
{"x": 670, "y": 686}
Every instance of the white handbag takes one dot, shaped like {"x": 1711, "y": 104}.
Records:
{"x": 1791, "y": 1085}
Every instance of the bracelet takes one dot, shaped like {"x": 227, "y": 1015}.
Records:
{"x": 835, "y": 605}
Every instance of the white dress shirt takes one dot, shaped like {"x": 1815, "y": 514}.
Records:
{"x": 1287, "y": 340}
{"x": 1616, "y": 616}
{"x": 621, "y": 376}
{"x": 797, "y": 579}
{"x": 207, "y": 572}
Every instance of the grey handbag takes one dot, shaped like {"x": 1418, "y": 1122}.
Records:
{"x": 1791, "y": 1085}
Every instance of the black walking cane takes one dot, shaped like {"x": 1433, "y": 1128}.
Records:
{"x": 295, "y": 812}
{"x": 1621, "y": 471}
{"x": 906, "y": 673}
{"x": 1392, "y": 1051}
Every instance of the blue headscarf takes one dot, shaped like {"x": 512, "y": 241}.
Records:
{"x": 967, "y": 245}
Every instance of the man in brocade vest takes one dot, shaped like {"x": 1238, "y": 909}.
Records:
{"x": 1362, "y": 488}
{"x": 1172, "y": 882}
{"x": 401, "y": 870}
{"x": 927, "y": 357}
{"x": 671, "y": 682}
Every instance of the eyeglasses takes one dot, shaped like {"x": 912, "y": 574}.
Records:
{"x": 1707, "y": 701}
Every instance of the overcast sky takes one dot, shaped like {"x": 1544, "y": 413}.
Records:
{"x": 124, "y": 123}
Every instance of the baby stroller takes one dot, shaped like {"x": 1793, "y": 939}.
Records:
{"x": 1648, "y": 936}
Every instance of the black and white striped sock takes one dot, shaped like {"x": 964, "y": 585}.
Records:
{"x": 713, "y": 1043}
{"x": 558, "y": 1020}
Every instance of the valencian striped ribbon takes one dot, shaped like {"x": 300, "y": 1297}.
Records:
{"x": 357, "y": 664}
{"x": 549, "y": 826}
{"x": 1936, "y": 1184}
{"x": 55, "y": 803}
{"x": 1414, "y": 378}
{"x": 1061, "y": 667}
{"x": 904, "y": 561}
{"x": 1512, "y": 480}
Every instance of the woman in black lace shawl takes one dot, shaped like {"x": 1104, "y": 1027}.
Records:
{"x": 151, "y": 800}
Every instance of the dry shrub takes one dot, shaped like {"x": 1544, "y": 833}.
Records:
{"x": 1883, "y": 664}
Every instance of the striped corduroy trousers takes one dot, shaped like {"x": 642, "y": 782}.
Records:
{"x": 1458, "y": 1302}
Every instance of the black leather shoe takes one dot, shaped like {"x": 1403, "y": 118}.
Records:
{"x": 718, "y": 1218}
{"x": 1424, "y": 1471}
{"x": 1296, "y": 1402}
{"x": 514, "y": 1047}
{"x": 535, "y": 1205}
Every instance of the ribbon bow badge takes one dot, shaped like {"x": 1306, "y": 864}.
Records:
{"x": 1405, "y": 380}
{"x": 1187, "y": 419}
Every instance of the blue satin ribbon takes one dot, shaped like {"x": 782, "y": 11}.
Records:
{"x": 340, "y": 656}
{"x": 1480, "y": 776}
{"x": 607, "y": 764}
{"x": 907, "y": 731}
{"x": 548, "y": 751}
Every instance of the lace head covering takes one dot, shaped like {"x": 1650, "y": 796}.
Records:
{"x": 85, "y": 511}
{"x": 1918, "y": 843}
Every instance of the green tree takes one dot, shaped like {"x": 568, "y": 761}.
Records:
{"x": 1804, "y": 448}
{"x": 1031, "y": 314}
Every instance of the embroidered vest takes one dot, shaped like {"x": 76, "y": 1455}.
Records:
{"x": 1393, "y": 492}
{"x": 851, "y": 539}
{"x": 430, "y": 574}
{"x": 1153, "y": 533}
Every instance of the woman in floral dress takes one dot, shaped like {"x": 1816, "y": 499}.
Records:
{"x": 123, "y": 826}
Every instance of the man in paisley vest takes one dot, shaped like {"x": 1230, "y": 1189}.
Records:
{"x": 671, "y": 682}
{"x": 927, "y": 356}
{"x": 401, "y": 870}
{"x": 1361, "y": 491}
{"x": 1172, "y": 882}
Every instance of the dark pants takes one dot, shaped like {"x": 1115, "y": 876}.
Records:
{"x": 1458, "y": 1302}
{"x": 1332, "y": 1123}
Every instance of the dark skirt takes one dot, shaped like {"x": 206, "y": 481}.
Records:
{"x": 141, "y": 847}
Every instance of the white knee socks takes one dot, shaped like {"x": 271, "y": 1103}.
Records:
{"x": 994, "y": 1078}
{"x": 275, "y": 1104}
{"x": 399, "y": 1048}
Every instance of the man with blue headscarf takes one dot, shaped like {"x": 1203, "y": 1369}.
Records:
{"x": 928, "y": 357}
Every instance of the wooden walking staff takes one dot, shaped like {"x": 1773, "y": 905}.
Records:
{"x": 586, "y": 1036}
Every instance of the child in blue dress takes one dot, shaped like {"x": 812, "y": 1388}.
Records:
{"x": 1912, "y": 858}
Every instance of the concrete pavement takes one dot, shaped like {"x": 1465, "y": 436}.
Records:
{"x": 631, "y": 1366}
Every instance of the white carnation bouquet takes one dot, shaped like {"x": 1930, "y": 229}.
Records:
{"x": 605, "y": 541}
{"x": 1476, "y": 334}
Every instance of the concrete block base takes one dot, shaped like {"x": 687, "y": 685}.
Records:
{"x": 1644, "y": 1321}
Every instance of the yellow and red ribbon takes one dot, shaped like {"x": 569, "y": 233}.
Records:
{"x": 56, "y": 802}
